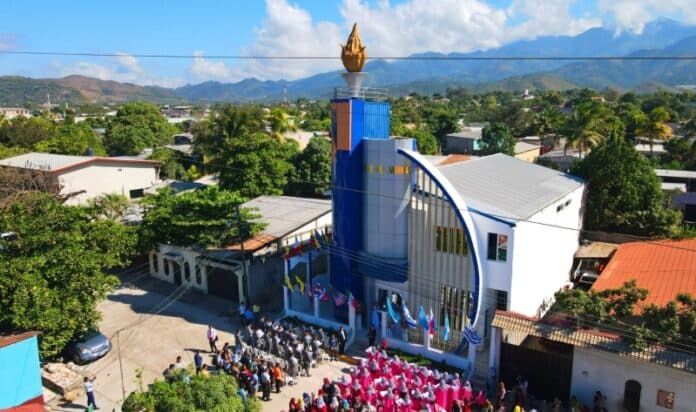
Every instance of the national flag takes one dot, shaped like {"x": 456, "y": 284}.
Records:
{"x": 352, "y": 301}
{"x": 375, "y": 318}
{"x": 471, "y": 335}
{"x": 297, "y": 250}
{"x": 431, "y": 323}
{"x": 300, "y": 284}
{"x": 314, "y": 241}
{"x": 409, "y": 319}
{"x": 309, "y": 293}
{"x": 288, "y": 283}
{"x": 446, "y": 328}
{"x": 395, "y": 316}
{"x": 422, "y": 318}
{"x": 320, "y": 238}
{"x": 320, "y": 292}
{"x": 287, "y": 255}
{"x": 340, "y": 299}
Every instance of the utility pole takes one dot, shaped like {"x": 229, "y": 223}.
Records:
{"x": 244, "y": 264}
{"x": 120, "y": 364}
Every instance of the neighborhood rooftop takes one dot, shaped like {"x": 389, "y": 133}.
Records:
{"x": 664, "y": 268}
{"x": 508, "y": 187}
{"x": 54, "y": 162}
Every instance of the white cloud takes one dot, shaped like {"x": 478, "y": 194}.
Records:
{"x": 122, "y": 68}
{"x": 399, "y": 30}
{"x": 7, "y": 41}
{"x": 203, "y": 69}
{"x": 634, "y": 14}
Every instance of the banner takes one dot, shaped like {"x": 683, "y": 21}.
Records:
{"x": 395, "y": 316}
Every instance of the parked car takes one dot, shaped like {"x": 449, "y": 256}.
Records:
{"x": 88, "y": 347}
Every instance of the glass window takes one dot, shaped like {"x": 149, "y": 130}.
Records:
{"x": 451, "y": 240}
{"x": 137, "y": 193}
{"x": 497, "y": 247}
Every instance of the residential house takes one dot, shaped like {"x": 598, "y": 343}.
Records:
{"x": 220, "y": 271}
{"x": 80, "y": 178}
{"x": 467, "y": 141}
{"x": 9, "y": 113}
{"x": 526, "y": 151}
{"x": 680, "y": 188}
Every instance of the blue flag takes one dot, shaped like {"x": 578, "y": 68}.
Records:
{"x": 395, "y": 316}
{"x": 410, "y": 322}
{"x": 422, "y": 318}
{"x": 446, "y": 328}
{"x": 375, "y": 318}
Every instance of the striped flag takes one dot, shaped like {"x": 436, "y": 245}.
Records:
{"x": 340, "y": 299}
{"x": 352, "y": 301}
{"x": 446, "y": 328}
{"x": 471, "y": 335}
{"x": 314, "y": 241}
{"x": 431, "y": 323}
{"x": 288, "y": 283}
{"x": 410, "y": 322}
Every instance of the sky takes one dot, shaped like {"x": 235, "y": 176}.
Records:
{"x": 283, "y": 28}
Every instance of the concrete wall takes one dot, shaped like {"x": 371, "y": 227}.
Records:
{"x": 98, "y": 179}
{"x": 606, "y": 372}
{"x": 188, "y": 258}
{"x": 543, "y": 253}
{"x": 20, "y": 374}
{"x": 461, "y": 145}
{"x": 528, "y": 156}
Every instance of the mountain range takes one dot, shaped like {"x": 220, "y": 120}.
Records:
{"x": 660, "y": 38}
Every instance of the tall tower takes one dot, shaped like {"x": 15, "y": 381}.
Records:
{"x": 366, "y": 167}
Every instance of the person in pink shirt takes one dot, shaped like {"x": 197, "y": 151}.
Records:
{"x": 441, "y": 394}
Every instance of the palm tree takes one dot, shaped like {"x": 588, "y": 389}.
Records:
{"x": 110, "y": 206}
{"x": 547, "y": 123}
{"x": 280, "y": 123}
{"x": 581, "y": 127}
{"x": 654, "y": 127}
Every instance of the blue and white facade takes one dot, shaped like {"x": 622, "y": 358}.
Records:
{"x": 460, "y": 239}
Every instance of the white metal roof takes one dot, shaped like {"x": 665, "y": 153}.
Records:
{"x": 285, "y": 214}
{"x": 522, "y": 147}
{"x": 43, "y": 161}
{"x": 507, "y": 187}
{"x": 683, "y": 174}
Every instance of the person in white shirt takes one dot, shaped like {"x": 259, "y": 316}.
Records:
{"x": 89, "y": 390}
{"x": 179, "y": 363}
{"x": 212, "y": 338}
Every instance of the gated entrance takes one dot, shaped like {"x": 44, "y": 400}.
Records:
{"x": 223, "y": 283}
{"x": 546, "y": 365}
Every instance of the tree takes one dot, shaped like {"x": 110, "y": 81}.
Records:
{"x": 172, "y": 168}
{"x": 111, "y": 206}
{"x": 581, "y": 127}
{"x": 497, "y": 138}
{"x": 227, "y": 122}
{"x": 547, "y": 123}
{"x": 654, "y": 128}
{"x": 280, "y": 123}
{"x": 135, "y": 127}
{"x": 312, "y": 169}
{"x": 442, "y": 122}
{"x": 53, "y": 274}
{"x": 678, "y": 154}
{"x": 72, "y": 139}
{"x": 197, "y": 393}
{"x": 24, "y": 132}
{"x": 254, "y": 164}
{"x": 426, "y": 142}
{"x": 624, "y": 194}
{"x": 204, "y": 218}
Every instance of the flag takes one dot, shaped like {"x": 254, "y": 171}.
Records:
{"x": 375, "y": 318}
{"x": 297, "y": 250}
{"x": 471, "y": 335}
{"x": 352, "y": 301}
{"x": 314, "y": 241}
{"x": 422, "y": 319}
{"x": 409, "y": 319}
{"x": 446, "y": 328}
{"x": 288, "y": 283}
{"x": 431, "y": 323}
{"x": 340, "y": 299}
{"x": 300, "y": 284}
{"x": 320, "y": 238}
{"x": 286, "y": 255}
{"x": 309, "y": 293}
{"x": 320, "y": 292}
{"x": 395, "y": 316}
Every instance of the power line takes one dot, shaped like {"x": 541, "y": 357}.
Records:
{"x": 412, "y": 58}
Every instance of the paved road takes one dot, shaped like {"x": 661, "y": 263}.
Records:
{"x": 153, "y": 335}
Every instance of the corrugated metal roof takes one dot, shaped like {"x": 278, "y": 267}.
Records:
{"x": 592, "y": 339}
{"x": 664, "y": 268}
{"x": 507, "y": 187}
{"x": 522, "y": 147}
{"x": 684, "y": 174}
{"x": 285, "y": 214}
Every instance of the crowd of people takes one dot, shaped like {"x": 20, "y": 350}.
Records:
{"x": 268, "y": 355}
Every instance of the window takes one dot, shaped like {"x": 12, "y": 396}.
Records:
{"x": 187, "y": 272}
{"x": 631, "y": 401}
{"x": 199, "y": 278}
{"x": 501, "y": 298}
{"x": 155, "y": 263}
{"x": 136, "y": 193}
{"x": 497, "y": 247}
{"x": 451, "y": 240}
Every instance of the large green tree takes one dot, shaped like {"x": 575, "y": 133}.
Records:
{"x": 54, "y": 273}
{"x": 198, "y": 393}
{"x": 312, "y": 169}
{"x": 72, "y": 139}
{"x": 135, "y": 127}
{"x": 206, "y": 217}
{"x": 254, "y": 164}
{"x": 624, "y": 193}
{"x": 26, "y": 133}
{"x": 653, "y": 126}
{"x": 497, "y": 138}
{"x": 425, "y": 140}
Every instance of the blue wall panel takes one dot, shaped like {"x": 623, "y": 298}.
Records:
{"x": 20, "y": 373}
{"x": 376, "y": 120}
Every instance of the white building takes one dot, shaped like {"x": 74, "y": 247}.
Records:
{"x": 9, "y": 113}
{"x": 219, "y": 271}
{"x": 83, "y": 177}
{"x": 514, "y": 251}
